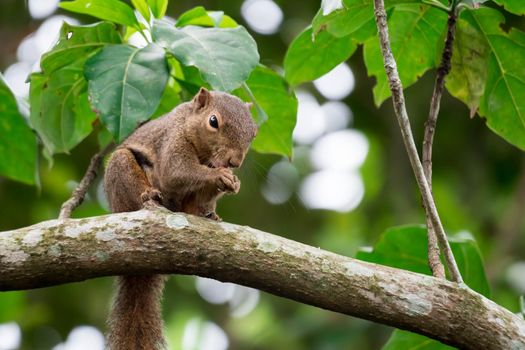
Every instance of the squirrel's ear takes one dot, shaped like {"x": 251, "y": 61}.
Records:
{"x": 249, "y": 105}
{"x": 202, "y": 99}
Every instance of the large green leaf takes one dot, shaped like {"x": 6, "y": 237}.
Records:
{"x": 279, "y": 104}
{"x": 309, "y": 58}
{"x": 13, "y": 305}
{"x": 224, "y": 56}
{"x": 414, "y": 43}
{"x": 514, "y": 6}
{"x": 468, "y": 76}
{"x": 344, "y": 21}
{"x": 76, "y": 42}
{"x": 405, "y": 247}
{"x": 503, "y": 101}
{"x": 143, "y": 7}
{"x": 198, "y": 16}
{"x": 18, "y": 142}
{"x": 110, "y": 10}
{"x": 403, "y": 340}
{"x": 60, "y": 89}
{"x": 354, "y": 15}
{"x": 170, "y": 98}
{"x": 158, "y": 7}
{"x": 125, "y": 85}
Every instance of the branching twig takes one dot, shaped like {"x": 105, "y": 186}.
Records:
{"x": 162, "y": 242}
{"x": 430, "y": 127}
{"x": 404, "y": 123}
{"x": 77, "y": 197}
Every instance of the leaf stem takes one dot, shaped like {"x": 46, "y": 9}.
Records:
{"x": 398, "y": 100}
{"x": 438, "y": 5}
{"x": 141, "y": 31}
{"x": 263, "y": 117}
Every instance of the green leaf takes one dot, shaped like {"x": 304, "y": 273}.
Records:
{"x": 514, "y": 6}
{"x": 158, "y": 7}
{"x": 224, "y": 56}
{"x": 126, "y": 85}
{"x": 170, "y": 98}
{"x": 18, "y": 143}
{"x": 345, "y": 21}
{"x": 405, "y": 247}
{"x": 503, "y": 100}
{"x": 198, "y": 16}
{"x": 414, "y": 43}
{"x": 142, "y": 7}
{"x": 308, "y": 58}
{"x": 468, "y": 76}
{"x": 58, "y": 92}
{"x": 280, "y": 105}
{"x": 13, "y": 305}
{"x": 75, "y": 42}
{"x": 351, "y": 18}
{"x": 110, "y": 10}
{"x": 473, "y": 4}
{"x": 403, "y": 340}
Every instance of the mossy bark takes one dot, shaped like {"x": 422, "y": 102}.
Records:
{"x": 162, "y": 242}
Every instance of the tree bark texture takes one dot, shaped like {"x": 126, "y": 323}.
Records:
{"x": 161, "y": 242}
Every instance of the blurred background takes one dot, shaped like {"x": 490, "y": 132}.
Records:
{"x": 348, "y": 181}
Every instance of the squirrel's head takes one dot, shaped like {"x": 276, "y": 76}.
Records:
{"x": 222, "y": 128}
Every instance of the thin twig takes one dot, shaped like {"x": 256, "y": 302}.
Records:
{"x": 430, "y": 128}
{"x": 406, "y": 132}
{"x": 78, "y": 195}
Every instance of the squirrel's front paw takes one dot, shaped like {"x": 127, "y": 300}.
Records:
{"x": 227, "y": 181}
{"x": 151, "y": 194}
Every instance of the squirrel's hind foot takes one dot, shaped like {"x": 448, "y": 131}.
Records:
{"x": 151, "y": 194}
{"x": 213, "y": 216}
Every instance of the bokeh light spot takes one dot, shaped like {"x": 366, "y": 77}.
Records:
{"x": 336, "y": 84}
{"x": 263, "y": 16}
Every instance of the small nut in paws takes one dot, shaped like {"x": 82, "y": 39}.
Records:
{"x": 226, "y": 181}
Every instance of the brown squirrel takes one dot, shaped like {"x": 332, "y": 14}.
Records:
{"x": 182, "y": 161}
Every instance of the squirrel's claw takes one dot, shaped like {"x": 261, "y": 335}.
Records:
{"x": 151, "y": 195}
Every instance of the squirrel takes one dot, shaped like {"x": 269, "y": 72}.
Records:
{"x": 182, "y": 161}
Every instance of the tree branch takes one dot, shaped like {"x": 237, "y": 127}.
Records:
{"x": 430, "y": 128}
{"x": 78, "y": 195}
{"x": 159, "y": 241}
{"x": 406, "y": 132}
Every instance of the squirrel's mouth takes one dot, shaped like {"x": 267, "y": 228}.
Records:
{"x": 211, "y": 164}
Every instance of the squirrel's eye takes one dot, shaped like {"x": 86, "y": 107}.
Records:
{"x": 214, "y": 122}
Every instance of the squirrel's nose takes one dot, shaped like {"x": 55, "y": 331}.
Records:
{"x": 235, "y": 161}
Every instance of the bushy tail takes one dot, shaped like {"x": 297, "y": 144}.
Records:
{"x": 135, "y": 322}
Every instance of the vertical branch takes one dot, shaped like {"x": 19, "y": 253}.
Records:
{"x": 430, "y": 127}
{"x": 78, "y": 195}
{"x": 406, "y": 132}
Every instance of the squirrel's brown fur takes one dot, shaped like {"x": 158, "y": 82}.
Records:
{"x": 182, "y": 162}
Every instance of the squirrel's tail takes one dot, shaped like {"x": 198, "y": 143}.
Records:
{"x": 135, "y": 322}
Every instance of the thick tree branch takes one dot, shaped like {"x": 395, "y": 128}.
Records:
{"x": 430, "y": 128}
{"x": 78, "y": 195}
{"x": 159, "y": 241}
{"x": 398, "y": 99}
